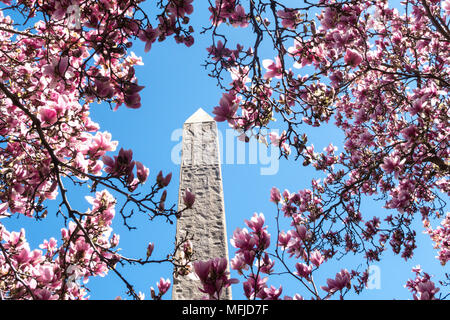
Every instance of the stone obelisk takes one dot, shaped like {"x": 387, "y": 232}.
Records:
{"x": 205, "y": 221}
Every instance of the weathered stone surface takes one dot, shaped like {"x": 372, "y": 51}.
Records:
{"x": 201, "y": 173}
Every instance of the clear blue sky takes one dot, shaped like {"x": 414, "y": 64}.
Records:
{"x": 176, "y": 85}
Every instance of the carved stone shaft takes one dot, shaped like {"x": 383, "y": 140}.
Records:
{"x": 201, "y": 173}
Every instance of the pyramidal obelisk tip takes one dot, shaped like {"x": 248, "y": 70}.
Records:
{"x": 199, "y": 116}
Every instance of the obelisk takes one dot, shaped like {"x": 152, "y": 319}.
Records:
{"x": 201, "y": 172}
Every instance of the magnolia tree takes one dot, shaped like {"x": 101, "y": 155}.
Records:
{"x": 381, "y": 75}
{"x": 73, "y": 54}
{"x": 378, "y": 73}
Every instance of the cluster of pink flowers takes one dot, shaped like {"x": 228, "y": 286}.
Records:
{"x": 218, "y": 51}
{"x": 228, "y": 11}
{"x": 299, "y": 240}
{"x": 175, "y": 15}
{"x": 252, "y": 246}
{"x": 339, "y": 283}
{"x": 214, "y": 277}
{"x": 441, "y": 238}
{"x": 289, "y": 18}
{"x": 188, "y": 198}
{"x": 364, "y": 56}
{"x": 274, "y": 68}
{"x": 252, "y": 257}
{"x": 422, "y": 287}
{"x": 122, "y": 166}
{"x": 280, "y": 141}
{"x": 60, "y": 271}
{"x": 227, "y": 108}
{"x": 56, "y": 67}
{"x": 394, "y": 134}
{"x": 181, "y": 8}
{"x": 163, "y": 286}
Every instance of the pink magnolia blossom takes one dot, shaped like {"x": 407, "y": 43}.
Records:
{"x": 163, "y": 181}
{"x": 341, "y": 281}
{"x": 149, "y": 36}
{"x": 213, "y": 276}
{"x": 239, "y": 17}
{"x": 141, "y": 172}
{"x": 239, "y": 264}
{"x": 240, "y": 76}
{"x": 242, "y": 239}
{"x": 256, "y": 222}
{"x": 410, "y": 133}
{"x": 303, "y": 270}
{"x": 114, "y": 241}
{"x": 275, "y": 195}
{"x": 422, "y": 287}
{"x": 391, "y": 164}
{"x": 265, "y": 264}
{"x": 188, "y": 198}
{"x": 274, "y": 69}
{"x": 352, "y": 58}
{"x": 254, "y": 287}
{"x": 58, "y": 67}
{"x": 122, "y": 163}
{"x": 222, "y": 11}
{"x": 49, "y": 245}
{"x": 150, "y": 248}
{"x": 188, "y": 41}
{"x": 100, "y": 144}
{"x": 426, "y": 291}
{"x": 446, "y": 7}
{"x": 226, "y": 109}
{"x": 316, "y": 258}
{"x": 103, "y": 87}
{"x": 289, "y": 18}
{"x": 3, "y": 209}
{"x": 181, "y": 8}
{"x": 132, "y": 98}
{"x": 163, "y": 285}
{"x": 283, "y": 239}
{"x": 48, "y": 115}
{"x": 273, "y": 293}
{"x": 219, "y": 51}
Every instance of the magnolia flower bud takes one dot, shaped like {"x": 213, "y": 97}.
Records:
{"x": 275, "y": 195}
{"x": 313, "y": 28}
{"x": 188, "y": 198}
{"x": 152, "y": 293}
{"x": 163, "y": 286}
{"x": 163, "y": 181}
{"x": 150, "y": 248}
{"x": 187, "y": 248}
{"x": 141, "y": 172}
{"x": 164, "y": 196}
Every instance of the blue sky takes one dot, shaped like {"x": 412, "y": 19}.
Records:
{"x": 176, "y": 85}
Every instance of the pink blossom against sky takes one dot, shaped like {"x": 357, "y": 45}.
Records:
{"x": 175, "y": 86}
